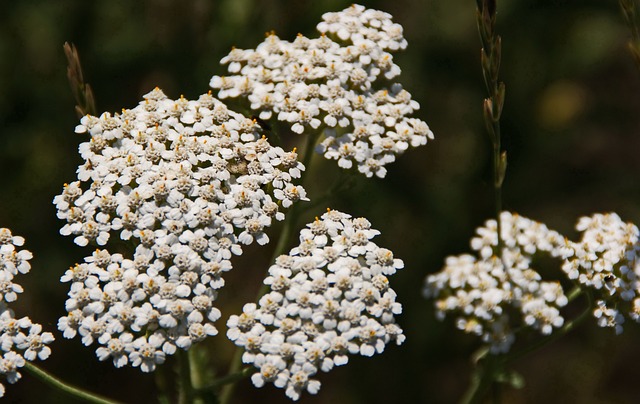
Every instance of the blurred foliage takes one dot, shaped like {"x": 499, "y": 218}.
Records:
{"x": 570, "y": 125}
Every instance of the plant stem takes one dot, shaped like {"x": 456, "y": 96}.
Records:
{"x": 195, "y": 368}
{"x": 82, "y": 92}
{"x": 160, "y": 380}
{"x": 574, "y": 293}
{"x": 554, "y": 335}
{"x": 630, "y": 13}
{"x": 185, "y": 388}
{"x": 492, "y": 366}
{"x": 490, "y": 57}
{"x": 479, "y": 382}
{"x": 227, "y": 390}
{"x": 67, "y": 388}
{"x": 231, "y": 378}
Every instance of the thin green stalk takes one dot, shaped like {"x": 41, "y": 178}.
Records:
{"x": 574, "y": 293}
{"x": 67, "y": 388}
{"x": 231, "y": 378}
{"x": 308, "y": 152}
{"x": 344, "y": 181}
{"x": 185, "y": 388}
{"x": 486, "y": 374}
{"x": 195, "y": 367}
{"x": 160, "y": 379}
{"x": 85, "y": 102}
{"x": 630, "y": 13}
{"x": 490, "y": 57}
{"x": 474, "y": 387}
{"x": 481, "y": 380}
{"x": 568, "y": 327}
{"x": 227, "y": 390}
{"x": 490, "y": 367}
{"x": 283, "y": 243}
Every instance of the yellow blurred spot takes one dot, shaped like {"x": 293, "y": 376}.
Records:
{"x": 560, "y": 104}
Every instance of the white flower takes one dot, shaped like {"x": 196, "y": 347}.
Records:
{"x": 290, "y": 194}
{"x": 117, "y": 349}
{"x": 482, "y": 291}
{"x": 69, "y": 325}
{"x": 18, "y": 344}
{"x": 607, "y": 261}
{"x": 187, "y": 182}
{"x": 327, "y": 300}
{"x": 299, "y": 381}
{"x": 9, "y": 365}
{"x": 337, "y": 82}
{"x": 272, "y": 369}
{"x": 8, "y": 290}
{"x": 146, "y": 352}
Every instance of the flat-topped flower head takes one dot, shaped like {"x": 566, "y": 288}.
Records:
{"x": 341, "y": 83}
{"x": 606, "y": 261}
{"x": 186, "y": 183}
{"x": 496, "y": 292}
{"x": 20, "y": 339}
{"x": 327, "y": 300}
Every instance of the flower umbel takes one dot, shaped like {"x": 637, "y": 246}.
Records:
{"x": 341, "y": 82}
{"x": 184, "y": 184}
{"x": 493, "y": 294}
{"x": 330, "y": 297}
{"x": 606, "y": 261}
{"x": 20, "y": 339}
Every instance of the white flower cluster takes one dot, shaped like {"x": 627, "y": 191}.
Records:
{"x": 607, "y": 262}
{"x": 20, "y": 339}
{"x": 328, "y": 298}
{"x": 498, "y": 291}
{"x": 184, "y": 183}
{"x": 341, "y": 80}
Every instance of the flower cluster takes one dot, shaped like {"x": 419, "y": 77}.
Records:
{"x": 341, "y": 80}
{"x": 328, "y": 298}
{"x": 606, "y": 261}
{"x": 498, "y": 291}
{"x": 184, "y": 184}
{"x": 20, "y": 339}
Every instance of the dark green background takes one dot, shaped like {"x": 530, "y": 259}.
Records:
{"x": 570, "y": 124}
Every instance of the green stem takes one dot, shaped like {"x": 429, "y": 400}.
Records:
{"x": 474, "y": 387}
{"x": 481, "y": 380}
{"x": 200, "y": 393}
{"x": 160, "y": 379}
{"x": 227, "y": 390}
{"x": 497, "y": 189}
{"x": 574, "y": 293}
{"x": 630, "y": 13}
{"x": 308, "y": 153}
{"x": 344, "y": 181}
{"x": 85, "y": 102}
{"x": 489, "y": 366}
{"x": 568, "y": 327}
{"x": 185, "y": 388}
{"x": 231, "y": 378}
{"x": 195, "y": 367}
{"x": 67, "y": 388}
{"x": 490, "y": 58}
